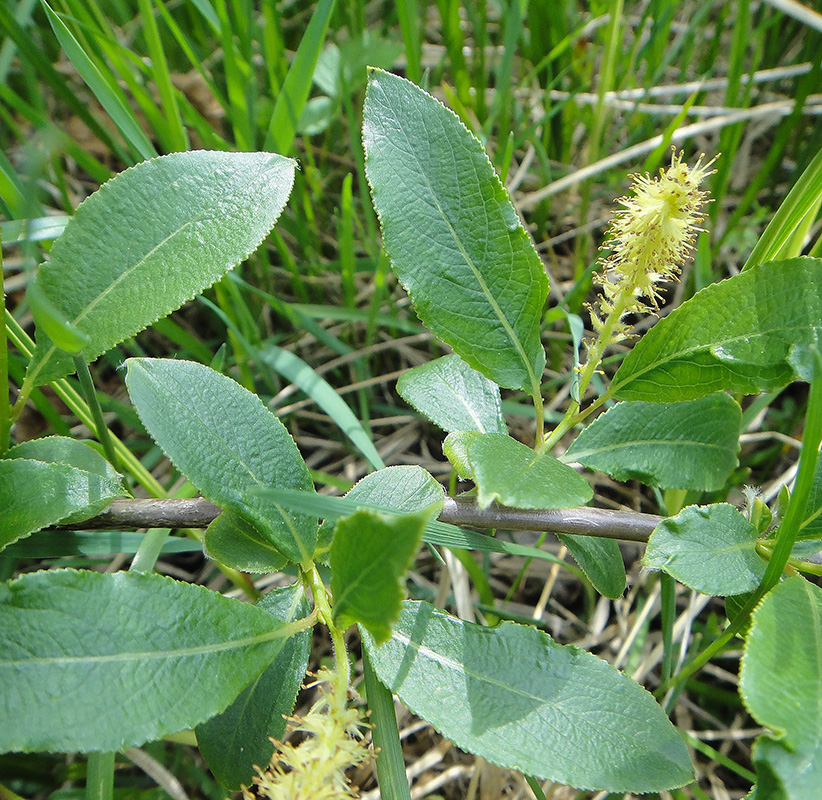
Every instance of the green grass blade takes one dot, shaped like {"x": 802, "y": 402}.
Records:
{"x": 409, "y": 14}
{"x": 800, "y": 200}
{"x": 120, "y": 115}
{"x": 294, "y": 369}
{"x": 175, "y": 133}
{"x": 282, "y": 127}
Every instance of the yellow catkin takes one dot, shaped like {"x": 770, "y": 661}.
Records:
{"x": 314, "y": 769}
{"x": 649, "y": 238}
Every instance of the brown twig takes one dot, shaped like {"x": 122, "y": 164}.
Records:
{"x": 199, "y": 512}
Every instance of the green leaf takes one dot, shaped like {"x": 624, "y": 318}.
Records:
{"x": 64, "y": 450}
{"x": 226, "y": 442}
{"x": 712, "y": 549}
{"x": 235, "y": 542}
{"x": 520, "y": 700}
{"x": 94, "y": 661}
{"x": 404, "y": 489}
{"x": 689, "y": 445}
{"x": 455, "y": 448}
{"x": 152, "y": 238}
{"x": 239, "y": 738}
{"x": 454, "y": 396}
{"x": 35, "y": 494}
{"x": 515, "y": 475}
{"x": 743, "y": 334}
{"x": 601, "y": 561}
{"x": 370, "y": 555}
{"x": 781, "y": 685}
{"x": 452, "y": 234}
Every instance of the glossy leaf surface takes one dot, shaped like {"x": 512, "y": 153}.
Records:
{"x": 98, "y": 661}
{"x": 520, "y": 700}
{"x": 781, "y": 684}
{"x": 747, "y": 334}
{"x": 453, "y": 395}
{"x": 226, "y": 442}
{"x": 175, "y": 223}
{"x": 452, "y": 234}
{"x": 712, "y": 549}
{"x": 689, "y": 445}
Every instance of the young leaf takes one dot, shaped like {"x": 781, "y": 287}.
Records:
{"x": 370, "y": 555}
{"x": 35, "y": 494}
{"x": 781, "y": 685}
{"x": 690, "y": 445}
{"x": 712, "y": 549}
{"x": 240, "y": 737}
{"x": 234, "y": 541}
{"x": 403, "y": 488}
{"x": 152, "y": 238}
{"x": 455, "y": 448}
{"x": 565, "y": 715}
{"x": 453, "y": 396}
{"x": 747, "y": 334}
{"x": 97, "y": 661}
{"x": 452, "y": 234}
{"x": 515, "y": 475}
{"x": 601, "y": 561}
{"x": 225, "y": 441}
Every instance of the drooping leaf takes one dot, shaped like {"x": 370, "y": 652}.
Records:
{"x": 455, "y": 449}
{"x": 370, "y": 554}
{"x": 174, "y": 224}
{"x": 601, "y": 561}
{"x": 35, "y": 494}
{"x": 453, "y": 395}
{"x": 689, "y": 445}
{"x": 225, "y": 441}
{"x": 781, "y": 685}
{"x": 745, "y": 334}
{"x": 240, "y": 737}
{"x": 515, "y": 475}
{"x": 452, "y": 234}
{"x": 517, "y": 698}
{"x": 712, "y": 549}
{"x": 404, "y": 488}
{"x": 95, "y": 661}
{"x": 234, "y": 541}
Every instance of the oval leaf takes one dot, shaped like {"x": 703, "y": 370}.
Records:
{"x": 226, "y": 442}
{"x": 452, "y": 234}
{"x": 92, "y": 661}
{"x": 564, "y": 715}
{"x": 711, "y": 549}
{"x": 781, "y": 685}
{"x": 35, "y": 494}
{"x": 601, "y": 561}
{"x": 453, "y": 396}
{"x": 403, "y": 488}
{"x": 690, "y": 445}
{"x": 173, "y": 225}
{"x": 743, "y": 334}
{"x": 63, "y": 450}
{"x": 515, "y": 475}
{"x": 235, "y": 542}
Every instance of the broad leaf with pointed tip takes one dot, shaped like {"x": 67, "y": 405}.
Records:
{"x": 520, "y": 700}
{"x": 452, "y": 233}
{"x": 227, "y": 443}
{"x": 95, "y": 661}
{"x": 150, "y": 239}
